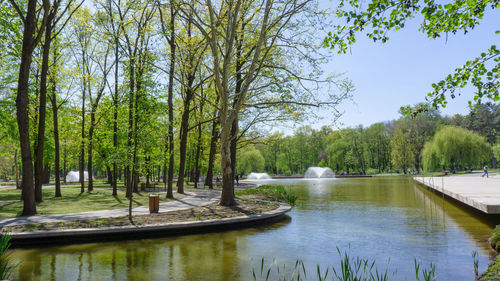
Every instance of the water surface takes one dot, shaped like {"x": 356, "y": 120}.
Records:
{"x": 392, "y": 220}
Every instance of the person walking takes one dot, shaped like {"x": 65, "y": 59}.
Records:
{"x": 485, "y": 169}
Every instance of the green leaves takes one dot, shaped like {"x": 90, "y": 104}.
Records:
{"x": 380, "y": 16}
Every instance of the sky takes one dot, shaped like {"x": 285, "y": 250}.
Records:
{"x": 401, "y": 71}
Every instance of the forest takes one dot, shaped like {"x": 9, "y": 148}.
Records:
{"x": 428, "y": 142}
{"x": 145, "y": 90}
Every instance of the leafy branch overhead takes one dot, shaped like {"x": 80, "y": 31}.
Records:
{"x": 377, "y": 17}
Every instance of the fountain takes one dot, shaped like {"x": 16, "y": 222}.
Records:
{"x": 319, "y": 172}
{"x": 74, "y": 176}
{"x": 258, "y": 176}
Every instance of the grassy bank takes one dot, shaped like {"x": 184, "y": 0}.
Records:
{"x": 208, "y": 212}
{"x": 276, "y": 193}
{"x": 493, "y": 271}
{"x": 72, "y": 201}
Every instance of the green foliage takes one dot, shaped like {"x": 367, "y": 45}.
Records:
{"x": 493, "y": 271}
{"x": 249, "y": 160}
{"x": 272, "y": 192}
{"x": 403, "y": 152}
{"x": 376, "y": 18}
{"x": 6, "y": 265}
{"x": 454, "y": 147}
{"x": 496, "y": 150}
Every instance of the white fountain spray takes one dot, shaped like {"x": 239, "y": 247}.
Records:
{"x": 319, "y": 172}
{"x": 258, "y": 176}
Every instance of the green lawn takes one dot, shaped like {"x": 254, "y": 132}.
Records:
{"x": 72, "y": 201}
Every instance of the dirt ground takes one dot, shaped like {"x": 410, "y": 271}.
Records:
{"x": 211, "y": 211}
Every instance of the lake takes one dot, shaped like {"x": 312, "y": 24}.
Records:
{"x": 392, "y": 220}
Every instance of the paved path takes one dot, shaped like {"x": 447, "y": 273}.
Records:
{"x": 480, "y": 193}
{"x": 194, "y": 199}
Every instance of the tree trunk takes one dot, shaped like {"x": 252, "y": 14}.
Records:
{"x": 234, "y": 142}
{"x": 128, "y": 175}
{"x": 42, "y": 111}
{"x": 46, "y": 174}
{"x": 115, "y": 120}
{"x": 22, "y": 101}
{"x": 89, "y": 151}
{"x": 183, "y": 141}
{"x": 109, "y": 175}
{"x": 227, "y": 195}
{"x": 56, "y": 142}
{"x": 82, "y": 144}
{"x": 211, "y": 155}
{"x": 148, "y": 170}
{"x": 17, "y": 170}
{"x": 171, "y": 42}
{"x": 198, "y": 150}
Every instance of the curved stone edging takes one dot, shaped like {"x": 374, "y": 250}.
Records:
{"x": 69, "y": 236}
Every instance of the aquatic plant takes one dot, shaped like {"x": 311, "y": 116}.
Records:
{"x": 6, "y": 265}
{"x": 272, "y": 192}
{"x": 349, "y": 269}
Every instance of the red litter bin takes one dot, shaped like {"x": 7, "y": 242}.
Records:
{"x": 154, "y": 203}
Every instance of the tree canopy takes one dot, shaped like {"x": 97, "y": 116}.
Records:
{"x": 455, "y": 148}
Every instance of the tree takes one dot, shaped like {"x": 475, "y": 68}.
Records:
{"x": 32, "y": 34}
{"x": 250, "y": 160}
{"x": 455, "y": 148}
{"x": 376, "y": 18}
{"x": 486, "y": 122}
{"x": 271, "y": 33}
{"x": 496, "y": 150}
{"x": 403, "y": 152}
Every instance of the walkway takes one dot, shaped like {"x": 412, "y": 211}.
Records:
{"x": 194, "y": 199}
{"x": 475, "y": 191}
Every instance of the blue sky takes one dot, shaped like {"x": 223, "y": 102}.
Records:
{"x": 401, "y": 71}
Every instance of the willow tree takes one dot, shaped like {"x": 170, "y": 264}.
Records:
{"x": 260, "y": 30}
{"x": 455, "y": 148}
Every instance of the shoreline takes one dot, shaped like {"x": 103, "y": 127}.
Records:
{"x": 134, "y": 232}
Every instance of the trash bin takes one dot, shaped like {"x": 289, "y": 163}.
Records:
{"x": 154, "y": 203}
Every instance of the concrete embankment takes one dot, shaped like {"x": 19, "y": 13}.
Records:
{"x": 480, "y": 193}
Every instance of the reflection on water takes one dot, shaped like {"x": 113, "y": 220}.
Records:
{"x": 392, "y": 220}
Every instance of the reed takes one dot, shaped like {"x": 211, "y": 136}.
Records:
{"x": 349, "y": 269}
{"x": 6, "y": 265}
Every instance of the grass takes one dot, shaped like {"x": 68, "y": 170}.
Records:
{"x": 72, "y": 201}
{"x": 270, "y": 192}
{"x": 493, "y": 271}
